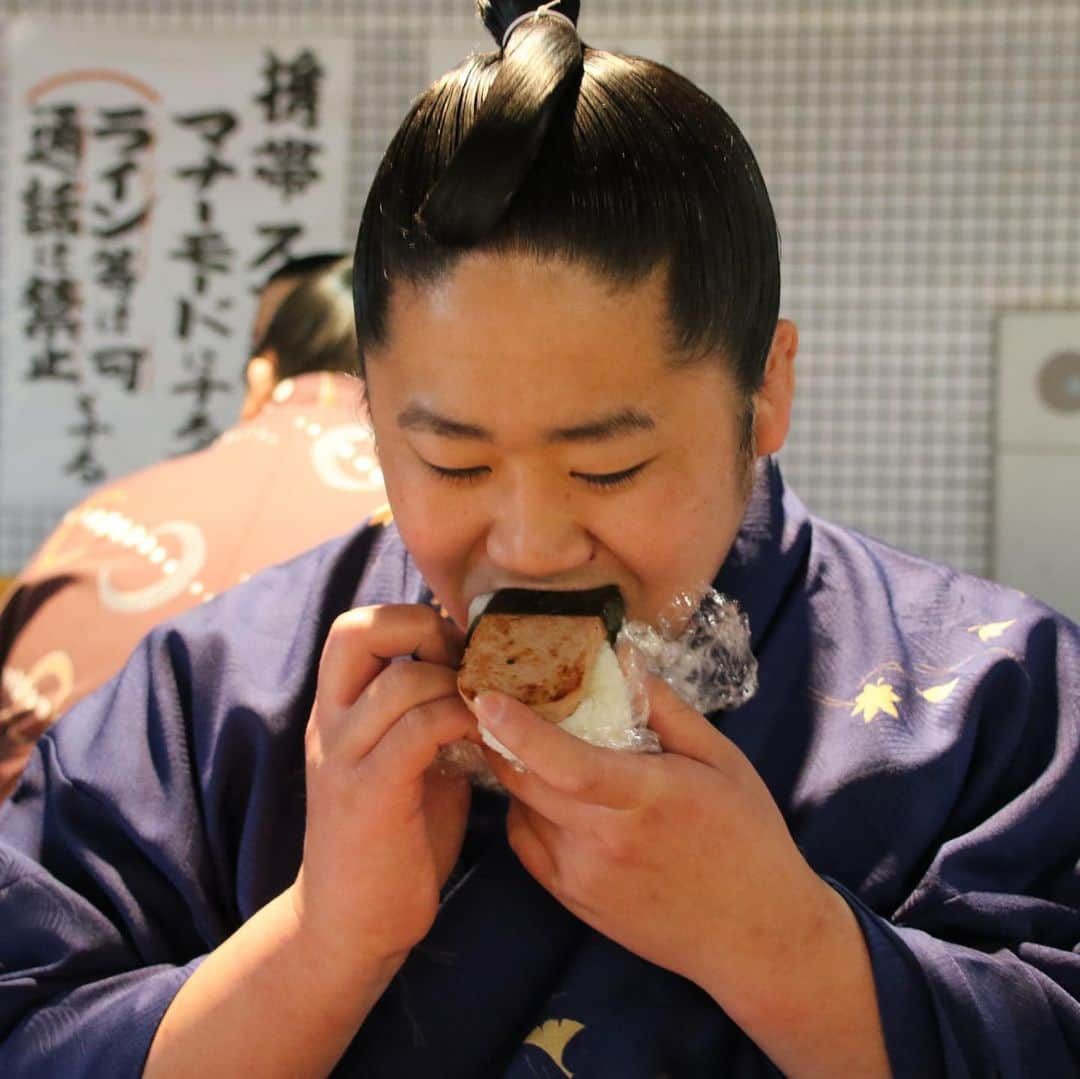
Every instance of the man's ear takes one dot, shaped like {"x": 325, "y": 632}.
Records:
{"x": 261, "y": 377}
{"x": 773, "y": 400}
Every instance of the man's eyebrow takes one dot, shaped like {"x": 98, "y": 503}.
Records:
{"x": 417, "y": 417}
{"x": 624, "y": 422}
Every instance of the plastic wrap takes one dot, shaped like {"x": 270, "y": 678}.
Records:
{"x": 702, "y": 650}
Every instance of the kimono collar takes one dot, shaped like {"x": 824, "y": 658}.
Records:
{"x": 768, "y": 557}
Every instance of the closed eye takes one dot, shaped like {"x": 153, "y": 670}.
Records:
{"x": 605, "y": 480}
{"x": 609, "y": 480}
{"x": 457, "y": 475}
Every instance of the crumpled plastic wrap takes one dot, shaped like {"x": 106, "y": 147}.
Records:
{"x": 701, "y": 649}
{"x": 707, "y": 661}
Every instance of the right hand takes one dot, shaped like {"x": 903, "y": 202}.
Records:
{"x": 384, "y": 827}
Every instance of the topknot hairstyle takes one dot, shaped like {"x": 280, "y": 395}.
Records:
{"x": 554, "y": 149}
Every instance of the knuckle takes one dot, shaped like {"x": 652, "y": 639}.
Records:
{"x": 422, "y": 720}
{"x": 357, "y": 620}
{"x": 581, "y": 784}
{"x": 314, "y": 737}
{"x": 621, "y": 844}
{"x": 416, "y": 719}
{"x": 590, "y": 776}
{"x": 427, "y": 617}
{"x": 389, "y": 681}
{"x": 422, "y": 621}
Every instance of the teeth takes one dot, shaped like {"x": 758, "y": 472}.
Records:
{"x": 478, "y": 605}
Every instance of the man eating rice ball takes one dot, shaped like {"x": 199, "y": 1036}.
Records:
{"x": 239, "y": 857}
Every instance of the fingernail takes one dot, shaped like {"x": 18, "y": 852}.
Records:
{"x": 490, "y": 709}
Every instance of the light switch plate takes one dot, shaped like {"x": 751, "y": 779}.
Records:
{"x": 1038, "y": 382}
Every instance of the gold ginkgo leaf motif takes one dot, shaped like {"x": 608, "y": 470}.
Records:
{"x": 937, "y": 694}
{"x": 991, "y": 630}
{"x": 553, "y": 1037}
{"x": 874, "y": 698}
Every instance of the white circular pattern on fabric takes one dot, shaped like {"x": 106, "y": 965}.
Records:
{"x": 24, "y": 687}
{"x": 341, "y": 458}
{"x": 191, "y": 559}
{"x": 118, "y": 528}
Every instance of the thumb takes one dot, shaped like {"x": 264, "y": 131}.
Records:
{"x": 681, "y": 728}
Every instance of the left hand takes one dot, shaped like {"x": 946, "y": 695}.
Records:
{"x": 681, "y": 857}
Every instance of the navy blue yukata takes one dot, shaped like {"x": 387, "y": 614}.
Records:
{"x": 918, "y": 728}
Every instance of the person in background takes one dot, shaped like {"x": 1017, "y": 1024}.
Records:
{"x": 297, "y": 469}
{"x": 567, "y": 297}
{"x": 281, "y": 282}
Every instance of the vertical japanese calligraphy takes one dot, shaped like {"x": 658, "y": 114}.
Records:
{"x": 147, "y": 197}
{"x": 202, "y": 324}
{"x": 290, "y": 142}
{"x": 121, "y": 214}
{"x": 77, "y": 198}
{"x": 51, "y": 221}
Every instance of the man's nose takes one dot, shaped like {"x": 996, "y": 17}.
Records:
{"x": 535, "y": 534}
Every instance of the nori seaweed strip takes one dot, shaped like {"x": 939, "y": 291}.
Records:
{"x": 605, "y": 603}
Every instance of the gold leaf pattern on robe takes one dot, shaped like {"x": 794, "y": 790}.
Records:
{"x": 876, "y": 697}
{"x": 991, "y": 630}
{"x": 553, "y": 1037}
{"x": 938, "y": 694}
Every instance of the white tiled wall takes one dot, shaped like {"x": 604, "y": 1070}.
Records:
{"x": 924, "y": 159}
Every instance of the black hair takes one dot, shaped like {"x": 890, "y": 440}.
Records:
{"x": 552, "y": 148}
{"x": 305, "y": 265}
{"x": 312, "y": 329}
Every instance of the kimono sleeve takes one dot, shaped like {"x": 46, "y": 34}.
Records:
{"x": 978, "y": 971}
{"x": 163, "y": 811}
{"x": 155, "y": 818}
{"x": 100, "y": 919}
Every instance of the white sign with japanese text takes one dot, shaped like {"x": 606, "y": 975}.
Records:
{"x": 153, "y": 180}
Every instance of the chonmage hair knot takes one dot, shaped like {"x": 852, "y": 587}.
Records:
{"x": 499, "y": 15}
